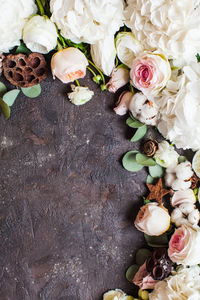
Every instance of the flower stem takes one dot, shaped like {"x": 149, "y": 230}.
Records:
{"x": 40, "y": 6}
{"x": 77, "y": 82}
{"x": 91, "y": 71}
{"x": 102, "y": 76}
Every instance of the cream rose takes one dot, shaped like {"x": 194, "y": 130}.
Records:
{"x": 116, "y": 295}
{"x": 13, "y": 17}
{"x": 150, "y": 73}
{"x": 184, "y": 246}
{"x": 152, "y": 219}
{"x": 166, "y": 156}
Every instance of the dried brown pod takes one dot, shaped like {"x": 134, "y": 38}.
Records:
{"x": 150, "y": 147}
{"x": 1, "y": 62}
{"x": 194, "y": 181}
{"x": 25, "y": 71}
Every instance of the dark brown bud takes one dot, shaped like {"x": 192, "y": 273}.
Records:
{"x": 150, "y": 147}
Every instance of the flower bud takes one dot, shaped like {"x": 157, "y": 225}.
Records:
{"x": 152, "y": 219}
{"x": 123, "y": 103}
{"x": 69, "y": 64}
{"x": 40, "y": 34}
{"x": 80, "y": 95}
{"x": 119, "y": 78}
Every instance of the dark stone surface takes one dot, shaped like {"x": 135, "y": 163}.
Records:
{"x": 67, "y": 205}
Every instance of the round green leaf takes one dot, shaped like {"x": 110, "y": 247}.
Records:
{"x": 130, "y": 273}
{"x": 181, "y": 159}
{"x": 33, "y": 91}
{"x": 150, "y": 179}
{"x": 139, "y": 133}
{"x": 156, "y": 171}
{"x": 145, "y": 160}
{"x": 133, "y": 123}
{"x": 142, "y": 255}
{"x": 10, "y": 97}
{"x": 157, "y": 241}
{"x": 129, "y": 162}
{"x": 5, "y": 109}
{"x": 3, "y": 89}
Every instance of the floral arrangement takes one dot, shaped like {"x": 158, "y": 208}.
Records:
{"x": 151, "y": 47}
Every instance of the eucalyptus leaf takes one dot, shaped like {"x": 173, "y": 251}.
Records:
{"x": 157, "y": 241}
{"x": 150, "y": 179}
{"x": 3, "y": 89}
{"x": 156, "y": 171}
{"x": 22, "y": 49}
{"x": 130, "y": 273}
{"x": 140, "y": 133}
{"x": 145, "y": 160}
{"x": 133, "y": 123}
{"x": 181, "y": 159}
{"x": 10, "y": 97}
{"x": 129, "y": 162}
{"x": 5, "y": 109}
{"x": 33, "y": 91}
{"x": 141, "y": 256}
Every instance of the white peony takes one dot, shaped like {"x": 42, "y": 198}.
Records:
{"x": 40, "y": 34}
{"x": 13, "y": 17}
{"x": 87, "y": 20}
{"x": 166, "y": 156}
{"x": 183, "y": 284}
{"x": 127, "y": 47}
{"x": 172, "y": 27}
{"x": 80, "y": 95}
{"x": 180, "y": 109}
{"x": 103, "y": 54}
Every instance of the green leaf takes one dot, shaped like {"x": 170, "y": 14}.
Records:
{"x": 133, "y": 123}
{"x": 156, "y": 241}
{"x": 198, "y": 57}
{"x": 33, "y": 91}
{"x": 139, "y": 133}
{"x": 10, "y": 97}
{"x": 22, "y": 49}
{"x": 145, "y": 160}
{"x": 156, "y": 171}
{"x": 5, "y": 109}
{"x": 150, "y": 179}
{"x": 181, "y": 159}
{"x": 142, "y": 255}
{"x": 129, "y": 162}
{"x": 3, "y": 89}
{"x": 130, "y": 273}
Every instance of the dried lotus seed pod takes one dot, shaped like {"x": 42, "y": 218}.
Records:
{"x": 25, "y": 71}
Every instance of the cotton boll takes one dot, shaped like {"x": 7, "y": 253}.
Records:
{"x": 176, "y": 214}
{"x": 180, "y": 185}
{"x": 186, "y": 196}
{"x": 169, "y": 179}
{"x": 186, "y": 208}
{"x": 194, "y": 217}
{"x": 181, "y": 221}
{"x": 184, "y": 171}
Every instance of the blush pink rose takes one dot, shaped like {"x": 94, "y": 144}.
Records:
{"x": 119, "y": 78}
{"x": 143, "y": 279}
{"x": 122, "y": 105}
{"x": 184, "y": 246}
{"x": 150, "y": 73}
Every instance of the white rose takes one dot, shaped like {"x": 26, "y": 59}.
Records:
{"x": 127, "y": 47}
{"x": 40, "y": 34}
{"x": 103, "y": 54}
{"x": 173, "y": 29}
{"x": 183, "y": 284}
{"x": 87, "y": 20}
{"x": 80, "y": 95}
{"x": 116, "y": 295}
{"x": 13, "y": 18}
{"x": 146, "y": 111}
{"x": 166, "y": 156}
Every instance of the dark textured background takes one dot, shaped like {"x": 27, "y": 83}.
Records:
{"x": 67, "y": 205}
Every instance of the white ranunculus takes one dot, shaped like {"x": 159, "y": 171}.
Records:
{"x": 183, "y": 284}
{"x": 103, "y": 54}
{"x": 127, "y": 47}
{"x": 13, "y": 18}
{"x": 180, "y": 109}
{"x": 166, "y": 156}
{"x": 80, "y": 95}
{"x": 170, "y": 27}
{"x": 87, "y": 20}
{"x": 40, "y": 34}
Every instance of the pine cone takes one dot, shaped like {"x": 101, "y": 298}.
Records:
{"x": 25, "y": 71}
{"x": 1, "y": 62}
{"x": 194, "y": 181}
{"x": 150, "y": 147}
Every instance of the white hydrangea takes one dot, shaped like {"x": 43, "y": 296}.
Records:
{"x": 87, "y": 20}
{"x": 13, "y": 18}
{"x": 172, "y": 27}
{"x": 180, "y": 109}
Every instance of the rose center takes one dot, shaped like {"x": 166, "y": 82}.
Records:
{"x": 145, "y": 74}
{"x": 178, "y": 242}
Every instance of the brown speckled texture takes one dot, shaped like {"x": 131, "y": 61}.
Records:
{"x": 67, "y": 205}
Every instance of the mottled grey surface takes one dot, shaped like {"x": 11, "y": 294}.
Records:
{"x": 67, "y": 205}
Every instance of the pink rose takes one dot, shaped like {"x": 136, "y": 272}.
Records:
{"x": 143, "y": 279}
{"x": 119, "y": 78}
{"x": 150, "y": 73}
{"x": 152, "y": 219}
{"x": 123, "y": 103}
{"x": 184, "y": 246}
